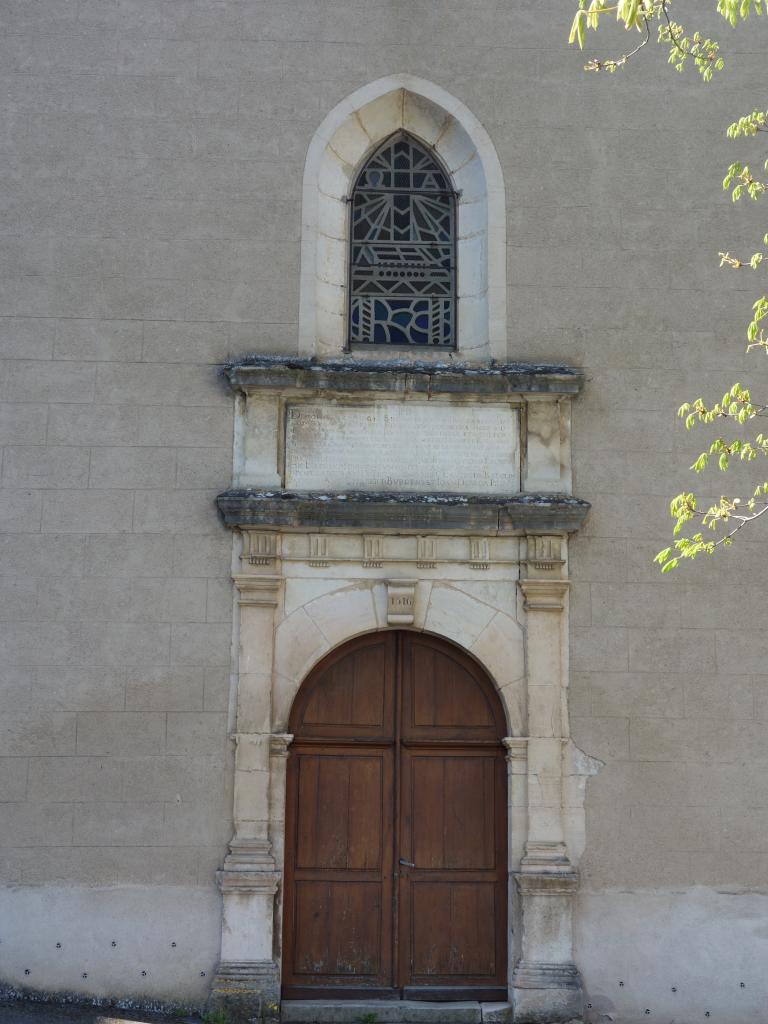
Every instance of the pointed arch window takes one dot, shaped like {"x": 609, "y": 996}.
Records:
{"x": 402, "y": 281}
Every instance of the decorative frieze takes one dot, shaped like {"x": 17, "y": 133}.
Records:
{"x": 259, "y": 548}
{"x": 479, "y": 553}
{"x": 373, "y": 552}
{"x": 544, "y": 553}
{"x": 426, "y": 552}
{"x": 318, "y": 550}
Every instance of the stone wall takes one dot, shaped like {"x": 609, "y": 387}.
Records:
{"x": 153, "y": 153}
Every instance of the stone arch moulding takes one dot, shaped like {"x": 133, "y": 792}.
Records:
{"x": 491, "y": 637}
{"x": 347, "y": 135}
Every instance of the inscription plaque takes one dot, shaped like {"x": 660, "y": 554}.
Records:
{"x": 403, "y": 446}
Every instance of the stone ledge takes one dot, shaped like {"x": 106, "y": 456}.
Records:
{"x": 315, "y": 510}
{"x": 392, "y": 1011}
{"x": 252, "y": 373}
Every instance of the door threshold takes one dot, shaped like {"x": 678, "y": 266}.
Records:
{"x": 392, "y": 1011}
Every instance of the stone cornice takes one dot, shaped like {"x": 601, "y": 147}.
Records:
{"x": 314, "y": 510}
{"x": 401, "y": 375}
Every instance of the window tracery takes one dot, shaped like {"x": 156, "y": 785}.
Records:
{"x": 402, "y": 281}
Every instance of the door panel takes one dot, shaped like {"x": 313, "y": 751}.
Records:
{"x": 338, "y": 930}
{"x": 444, "y": 695}
{"x": 340, "y": 808}
{"x": 453, "y": 933}
{"x": 395, "y": 861}
{"x": 338, "y": 878}
{"x": 453, "y": 833}
{"x": 452, "y": 811}
{"x": 351, "y": 692}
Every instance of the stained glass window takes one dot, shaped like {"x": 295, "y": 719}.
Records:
{"x": 403, "y": 249}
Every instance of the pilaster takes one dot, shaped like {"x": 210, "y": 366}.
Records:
{"x": 546, "y": 984}
{"x": 247, "y": 982}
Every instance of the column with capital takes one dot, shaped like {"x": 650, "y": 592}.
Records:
{"x": 247, "y": 982}
{"x": 546, "y": 983}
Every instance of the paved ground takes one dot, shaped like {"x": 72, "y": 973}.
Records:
{"x": 43, "y": 1013}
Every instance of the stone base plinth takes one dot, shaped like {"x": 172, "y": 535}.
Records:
{"x": 543, "y": 992}
{"x": 247, "y": 991}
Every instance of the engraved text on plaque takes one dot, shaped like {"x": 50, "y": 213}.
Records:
{"x": 403, "y": 446}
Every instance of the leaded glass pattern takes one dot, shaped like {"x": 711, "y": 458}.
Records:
{"x": 403, "y": 249}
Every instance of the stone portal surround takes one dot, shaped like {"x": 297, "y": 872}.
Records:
{"x": 484, "y": 570}
{"x": 292, "y": 612}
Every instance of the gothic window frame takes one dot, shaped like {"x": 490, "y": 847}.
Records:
{"x": 359, "y": 122}
{"x": 402, "y": 279}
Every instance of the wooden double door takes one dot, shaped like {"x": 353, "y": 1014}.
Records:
{"x": 396, "y": 827}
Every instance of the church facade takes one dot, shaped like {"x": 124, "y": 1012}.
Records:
{"x": 342, "y": 346}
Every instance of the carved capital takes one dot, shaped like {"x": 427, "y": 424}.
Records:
{"x": 544, "y": 595}
{"x": 279, "y": 743}
{"x": 517, "y": 749}
{"x": 401, "y": 600}
{"x": 257, "y": 590}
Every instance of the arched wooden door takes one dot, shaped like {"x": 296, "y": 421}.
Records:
{"x": 396, "y": 826}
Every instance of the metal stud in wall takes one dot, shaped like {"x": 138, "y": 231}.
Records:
{"x": 202, "y": 974}
{"x": 173, "y": 945}
{"x": 647, "y": 1012}
{"x": 674, "y": 988}
{"x": 742, "y": 985}
{"x": 113, "y": 943}
{"x": 85, "y": 974}
{"x": 143, "y": 974}
{"x": 621, "y": 984}
{"x": 58, "y": 945}
{"x": 26, "y": 970}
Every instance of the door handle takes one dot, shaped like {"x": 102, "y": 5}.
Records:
{"x": 407, "y": 863}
